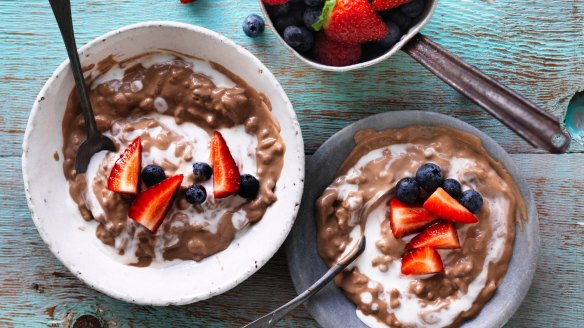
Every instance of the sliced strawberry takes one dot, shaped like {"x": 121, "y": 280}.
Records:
{"x": 381, "y": 5}
{"x": 405, "y": 219}
{"x": 350, "y": 21}
{"x": 422, "y": 261}
{"x": 441, "y": 234}
{"x": 274, "y": 2}
{"x": 445, "y": 207}
{"x": 125, "y": 175}
{"x": 226, "y": 178}
{"x": 150, "y": 207}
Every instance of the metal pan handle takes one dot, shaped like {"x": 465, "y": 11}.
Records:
{"x": 536, "y": 126}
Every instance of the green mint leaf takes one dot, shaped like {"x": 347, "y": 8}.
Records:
{"x": 329, "y": 5}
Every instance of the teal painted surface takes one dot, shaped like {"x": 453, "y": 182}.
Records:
{"x": 536, "y": 47}
{"x": 575, "y": 117}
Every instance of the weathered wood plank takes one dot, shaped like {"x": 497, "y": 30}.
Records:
{"x": 536, "y": 48}
{"x": 37, "y": 290}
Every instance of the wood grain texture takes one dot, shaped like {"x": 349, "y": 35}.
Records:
{"x": 535, "y": 47}
{"x": 37, "y": 290}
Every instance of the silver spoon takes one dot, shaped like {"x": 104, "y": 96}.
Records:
{"x": 270, "y": 319}
{"x": 95, "y": 141}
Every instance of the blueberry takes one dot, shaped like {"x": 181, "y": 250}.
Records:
{"x": 413, "y": 8}
{"x": 453, "y": 188}
{"x": 281, "y": 23}
{"x": 430, "y": 176}
{"x": 407, "y": 191}
{"x": 299, "y": 38}
{"x": 202, "y": 171}
{"x": 196, "y": 194}
{"x": 311, "y": 15}
{"x": 153, "y": 174}
{"x": 297, "y": 11}
{"x": 314, "y": 3}
{"x": 392, "y": 37}
{"x": 472, "y": 200}
{"x": 249, "y": 187}
{"x": 279, "y": 10}
{"x": 253, "y": 25}
{"x": 397, "y": 17}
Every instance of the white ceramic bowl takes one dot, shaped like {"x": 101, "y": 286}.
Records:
{"x": 80, "y": 251}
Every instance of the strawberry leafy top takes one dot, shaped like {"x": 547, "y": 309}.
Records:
{"x": 329, "y": 5}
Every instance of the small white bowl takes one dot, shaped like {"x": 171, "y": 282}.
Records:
{"x": 60, "y": 224}
{"x": 406, "y": 37}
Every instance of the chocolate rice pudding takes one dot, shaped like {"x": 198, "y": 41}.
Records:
{"x": 374, "y": 282}
{"x": 173, "y": 103}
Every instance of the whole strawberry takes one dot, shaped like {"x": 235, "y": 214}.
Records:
{"x": 381, "y": 5}
{"x": 351, "y": 21}
{"x": 333, "y": 53}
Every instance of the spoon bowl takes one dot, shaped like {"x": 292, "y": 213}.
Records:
{"x": 92, "y": 145}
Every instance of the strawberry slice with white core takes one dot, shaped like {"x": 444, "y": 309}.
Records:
{"x": 226, "y": 178}
{"x": 441, "y": 234}
{"x": 150, "y": 207}
{"x": 405, "y": 219}
{"x": 423, "y": 260}
{"x": 125, "y": 174}
{"x": 442, "y": 205}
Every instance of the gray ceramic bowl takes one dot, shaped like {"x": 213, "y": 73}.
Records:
{"x": 330, "y": 307}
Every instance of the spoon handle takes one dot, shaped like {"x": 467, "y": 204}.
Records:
{"x": 62, "y": 12}
{"x": 270, "y": 319}
{"x": 536, "y": 126}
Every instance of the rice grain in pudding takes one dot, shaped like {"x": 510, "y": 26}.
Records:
{"x": 173, "y": 103}
{"x": 374, "y": 282}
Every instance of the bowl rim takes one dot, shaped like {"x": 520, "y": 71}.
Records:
{"x": 244, "y": 273}
{"x": 413, "y": 31}
{"x": 530, "y": 227}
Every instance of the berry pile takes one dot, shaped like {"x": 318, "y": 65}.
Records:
{"x": 446, "y": 206}
{"x": 150, "y": 207}
{"x": 343, "y": 32}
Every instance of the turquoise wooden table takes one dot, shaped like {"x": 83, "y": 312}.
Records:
{"x": 535, "y": 47}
